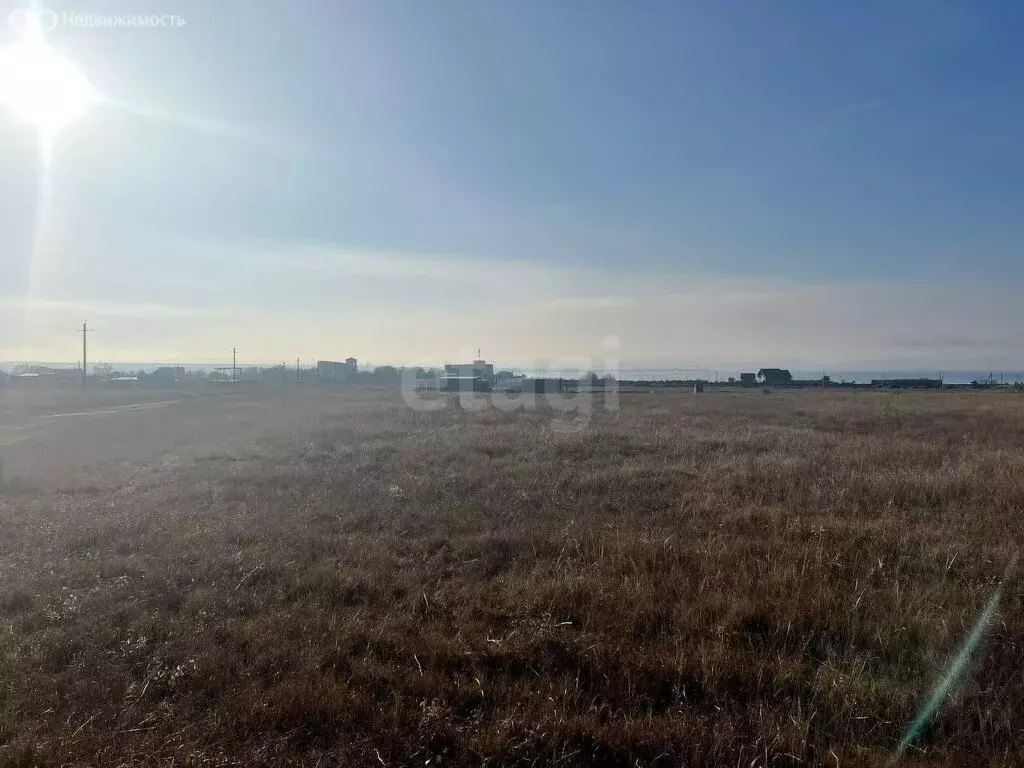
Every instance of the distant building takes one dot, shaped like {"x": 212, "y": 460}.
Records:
{"x": 748, "y": 379}
{"x": 54, "y": 375}
{"x": 464, "y": 384}
{"x": 484, "y": 370}
{"x": 47, "y": 378}
{"x": 542, "y": 385}
{"x": 478, "y": 369}
{"x": 330, "y": 370}
{"x": 775, "y": 377}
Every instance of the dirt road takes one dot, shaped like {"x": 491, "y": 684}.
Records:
{"x": 63, "y": 446}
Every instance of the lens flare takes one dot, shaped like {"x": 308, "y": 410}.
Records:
{"x": 40, "y": 86}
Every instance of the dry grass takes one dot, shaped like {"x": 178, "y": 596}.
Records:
{"x": 725, "y": 579}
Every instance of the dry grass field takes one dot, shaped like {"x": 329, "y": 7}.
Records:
{"x": 725, "y": 579}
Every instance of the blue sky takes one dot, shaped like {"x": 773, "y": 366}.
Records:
{"x": 712, "y": 183}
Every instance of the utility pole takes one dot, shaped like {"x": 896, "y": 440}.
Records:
{"x": 85, "y": 353}
{"x": 234, "y": 365}
{"x": 298, "y": 370}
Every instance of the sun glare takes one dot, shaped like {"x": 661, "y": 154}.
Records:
{"x": 41, "y": 86}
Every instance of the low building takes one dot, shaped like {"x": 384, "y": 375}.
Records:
{"x": 543, "y": 385}
{"x": 506, "y": 381}
{"x": 464, "y": 384}
{"x": 46, "y": 375}
{"x": 330, "y": 370}
{"x": 748, "y": 379}
{"x": 34, "y": 379}
{"x": 775, "y": 377}
{"x": 479, "y": 369}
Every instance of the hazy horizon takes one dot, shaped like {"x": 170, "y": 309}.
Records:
{"x": 859, "y": 375}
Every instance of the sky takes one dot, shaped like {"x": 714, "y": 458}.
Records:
{"x": 665, "y": 183}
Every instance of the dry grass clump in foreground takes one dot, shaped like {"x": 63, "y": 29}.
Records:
{"x": 727, "y": 579}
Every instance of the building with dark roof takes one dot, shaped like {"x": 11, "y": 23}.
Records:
{"x": 775, "y": 377}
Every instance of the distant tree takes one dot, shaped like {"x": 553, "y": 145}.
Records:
{"x": 20, "y": 368}
{"x": 102, "y": 370}
{"x": 386, "y": 374}
{"x": 166, "y": 372}
{"x": 732, "y": 379}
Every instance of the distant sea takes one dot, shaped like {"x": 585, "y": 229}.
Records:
{"x": 654, "y": 374}
{"x": 837, "y": 376}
